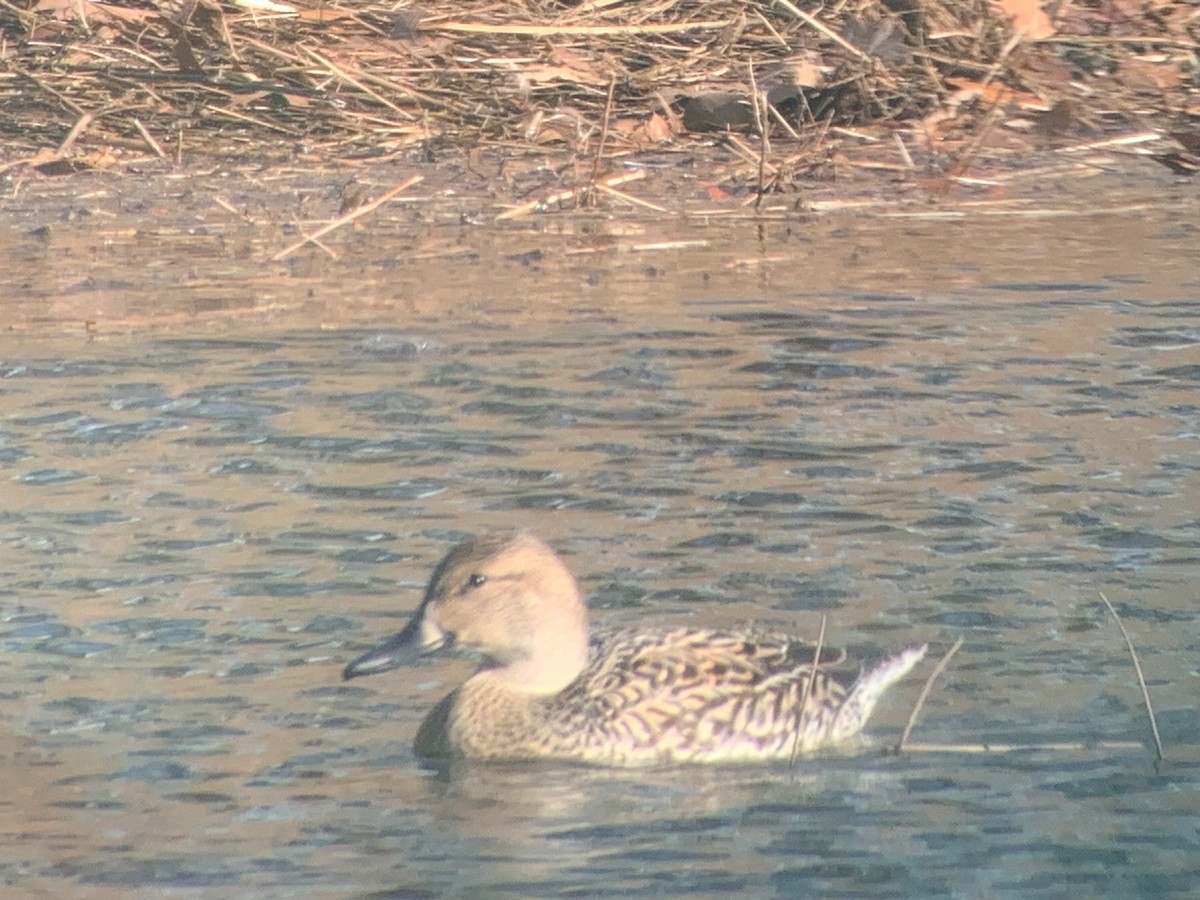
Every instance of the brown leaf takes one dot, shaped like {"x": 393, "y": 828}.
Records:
{"x": 1028, "y": 18}
{"x": 564, "y": 65}
{"x": 654, "y": 130}
{"x": 1161, "y": 73}
{"x": 1189, "y": 140}
{"x": 95, "y": 12}
{"x": 658, "y": 129}
{"x": 325, "y": 13}
{"x": 804, "y": 69}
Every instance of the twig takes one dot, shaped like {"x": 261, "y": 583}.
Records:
{"x": 1122, "y": 140}
{"x": 214, "y": 110}
{"x": 672, "y": 117}
{"x": 751, "y": 157}
{"x": 668, "y": 245}
{"x": 349, "y": 217}
{"x": 1137, "y": 667}
{"x": 82, "y": 124}
{"x": 539, "y": 203}
{"x": 759, "y": 105}
{"x": 226, "y": 205}
{"x": 764, "y": 147}
{"x": 984, "y": 129}
{"x": 982, "y": 133}
{"x": 628, "y": 198}
{"x": 778, "y": 117}
{"x": 928, "y": 686}
{"x": 563, "y": 30}
{"x": 608, "y": 102}
{"x": 808, "y": 689}
{"x": 345, "y": 76}
{"x": 57, "y": 95}
{"x": 531, "y": 206}
{"x": 823, "y": 28}
{"x": 754, "y": 108}
{"x": 1059, "y": 746}
{"x": 1117, "y": 40}
{"x": 770, "y": 29}
{"x": 149, "y": 138}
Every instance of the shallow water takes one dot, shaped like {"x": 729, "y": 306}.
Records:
{"x": 198, "y": 533}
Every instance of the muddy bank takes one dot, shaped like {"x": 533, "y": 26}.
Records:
{"x": 216, "y": 166}
{"x": 107, "y": 254}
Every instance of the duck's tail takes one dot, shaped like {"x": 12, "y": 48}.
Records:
{"x": 854, "y": 712}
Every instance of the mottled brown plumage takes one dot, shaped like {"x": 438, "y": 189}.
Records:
{"x": 628, "y": 697}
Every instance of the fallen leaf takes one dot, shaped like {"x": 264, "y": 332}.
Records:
{"x": 654, "y": 130}
{"x": 563, "y": 65}
{"x": 324, "y": 13}
{"x": 1160, "y": 74}
{"x": 969, "y": 89}
{"x": 658, "y": 129}
{"x": 804, "y": 69}
{"x": 95, "y": 12}
{"x": 1028, "y": 18}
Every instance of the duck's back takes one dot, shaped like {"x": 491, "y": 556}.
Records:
{"x": 700, "y": 695}
{"x": 672, "y": 695}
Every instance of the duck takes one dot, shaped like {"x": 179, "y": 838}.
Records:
{"x": 547, "y": 687}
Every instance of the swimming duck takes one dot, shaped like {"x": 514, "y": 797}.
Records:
{"x": 637, "y": 696}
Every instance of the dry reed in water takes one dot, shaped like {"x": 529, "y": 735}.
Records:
{"x": 904, "y": 745}
{"x": 808, "y": 689}
{"x": 347, "y": 218}
{"x": 1137, "y": 667}
{"x": 925, "y": 689}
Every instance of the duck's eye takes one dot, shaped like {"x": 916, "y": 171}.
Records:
{"x": 476, "y": 580}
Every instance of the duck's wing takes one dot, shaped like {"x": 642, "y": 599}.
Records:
{"x": 699, "y": 657}
{"x": 701, "y": 693}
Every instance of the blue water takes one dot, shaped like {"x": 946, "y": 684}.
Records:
{"x": 198, "y": 533}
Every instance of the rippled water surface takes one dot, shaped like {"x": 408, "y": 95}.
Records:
{"x": 197, "y": 534}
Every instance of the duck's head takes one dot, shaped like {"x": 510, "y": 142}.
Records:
{"x": 509, "y": 598}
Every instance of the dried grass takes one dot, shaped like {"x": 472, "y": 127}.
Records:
{"x": 904, "y": 745}
{"x": 89, "y": 83}
{"x": 1141, "y": 680}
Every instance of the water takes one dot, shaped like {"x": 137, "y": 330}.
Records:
{"x": 198, "y": 533}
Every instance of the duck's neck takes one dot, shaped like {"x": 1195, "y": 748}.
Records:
{"x": 549, "y": 665}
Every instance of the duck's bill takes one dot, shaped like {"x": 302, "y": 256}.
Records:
{"x": 392, "y": 653}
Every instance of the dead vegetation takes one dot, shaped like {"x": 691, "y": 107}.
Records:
{"x": 87, "y": 84}
{"x": 904, "y": 745}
